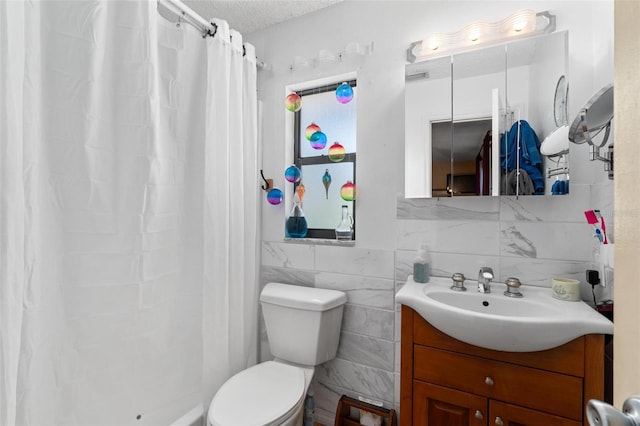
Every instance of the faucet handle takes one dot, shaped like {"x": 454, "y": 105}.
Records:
{"x": 458, "y": 282}
{"x": 512, "y": 287}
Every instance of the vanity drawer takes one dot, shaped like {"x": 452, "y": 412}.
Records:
{"x": 528, "y": 387}
{"x": 567, "y": 359}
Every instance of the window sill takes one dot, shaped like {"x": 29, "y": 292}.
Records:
{"x": 321, "y": 242}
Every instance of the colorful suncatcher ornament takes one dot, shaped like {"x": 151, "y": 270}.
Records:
{"x": 348, "y": 191}
{"x": 310, "y": 130}
{"x": 274, "y": 196}
{"x": 336, "y": 152}
{"x": 344, "y": 93}
{"x": 326, "y": 181}
{"x": 318, "y": 140}
{"x": 293, "y": 102}
{"x": 292, "y": 174}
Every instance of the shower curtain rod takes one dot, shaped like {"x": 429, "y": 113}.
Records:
{"x": 178, "y": 8}
{"x": 190, "y": 16}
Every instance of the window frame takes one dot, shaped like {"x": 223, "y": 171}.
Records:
{"x": 322, "y": 233}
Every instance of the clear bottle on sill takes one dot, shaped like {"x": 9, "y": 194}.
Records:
{"x": 344, "y": 231}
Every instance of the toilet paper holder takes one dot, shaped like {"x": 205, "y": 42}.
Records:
{"x": 600, "y": 413}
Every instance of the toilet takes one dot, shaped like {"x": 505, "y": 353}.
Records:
{"x": 303, "y": 327}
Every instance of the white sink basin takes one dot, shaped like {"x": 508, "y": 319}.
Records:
{"x": 534, "y": 322}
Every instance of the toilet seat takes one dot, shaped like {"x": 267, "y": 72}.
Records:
{"x": 263, "y": 395}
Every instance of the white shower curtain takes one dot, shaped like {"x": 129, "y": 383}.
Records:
{"x": 230, "y": 198}
{"x": 128, "y": 203}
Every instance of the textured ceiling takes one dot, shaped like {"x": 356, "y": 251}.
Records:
{"x": 248, "y": 16}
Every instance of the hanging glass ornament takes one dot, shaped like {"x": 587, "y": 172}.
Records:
{"x": 310, "y": 130}
{"x": 344, "y": 93}
{"x": 318, "y": 140}
{"x": 292, "y": 174}
{"x": 348, "y": 191}
{"x": 300, "y": 190}
{"x": 293, "y": 102}
{"x": 274, "y": 196}
{"x": 326, "y": 181}
{"x": 336, "y": 152}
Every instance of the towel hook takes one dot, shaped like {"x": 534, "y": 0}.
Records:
{"x": 268, "y": 182}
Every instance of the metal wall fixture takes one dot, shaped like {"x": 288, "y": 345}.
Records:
{"x": 523, "y": 23}
{"x": 592, "y": 119}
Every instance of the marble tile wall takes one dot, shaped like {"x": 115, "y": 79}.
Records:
{"x": 365, "y": 363}
{"x": 532, "y": 238}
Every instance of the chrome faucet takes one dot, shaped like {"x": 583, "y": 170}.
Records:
{"x": 485, "y": 275}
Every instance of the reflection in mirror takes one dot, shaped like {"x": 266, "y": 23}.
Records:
{"x": 470, "y": 173}
{"x": 479, "y": 93}
{"x": 427, "y": 100}
{"x": 513, "y": 86}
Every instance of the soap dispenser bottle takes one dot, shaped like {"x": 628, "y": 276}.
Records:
{"x": 421, "y": 265}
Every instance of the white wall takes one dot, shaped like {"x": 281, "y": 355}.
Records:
{"x": 392, "y": 26}
{"x": 532, "y": 238}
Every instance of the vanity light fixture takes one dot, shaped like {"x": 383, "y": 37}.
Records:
{"x": 523, "y": 23}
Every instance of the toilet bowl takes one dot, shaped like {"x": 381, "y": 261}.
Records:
{"x": 303, "y": 328}
{"x": 267, "y": 394}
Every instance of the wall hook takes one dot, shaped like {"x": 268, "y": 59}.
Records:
{"x": 268, "y": 182}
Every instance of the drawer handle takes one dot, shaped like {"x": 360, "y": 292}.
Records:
{"x": 479, "y": 415}
{"x": 499, "y": 421}
{"x": 488, "y": 381}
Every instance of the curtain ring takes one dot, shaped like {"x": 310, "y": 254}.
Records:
{"x": 209, "y": 32}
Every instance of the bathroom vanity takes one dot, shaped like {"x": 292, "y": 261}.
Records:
{"x": 445, "y": 381}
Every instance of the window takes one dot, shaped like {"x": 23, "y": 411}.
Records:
{"x": 323, "y": 178}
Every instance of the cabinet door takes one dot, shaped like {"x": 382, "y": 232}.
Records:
{"x": 437, "y": 406}
{"x": 501, "y": 381}
{"x": 501, "y": 414}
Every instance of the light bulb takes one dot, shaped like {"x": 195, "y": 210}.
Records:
{"x": 475, "y": 30}
{"x": 520, "y": 21}
{"x": 433, "y": 43}
{"x": 520, "y": 25}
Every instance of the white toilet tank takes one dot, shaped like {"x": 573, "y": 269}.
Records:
{"x": 303, "y": 323}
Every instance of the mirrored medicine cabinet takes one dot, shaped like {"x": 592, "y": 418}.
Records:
{"x": 462, "y": 113}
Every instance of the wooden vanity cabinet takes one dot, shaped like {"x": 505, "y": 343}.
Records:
{"x": 448, "y": 382}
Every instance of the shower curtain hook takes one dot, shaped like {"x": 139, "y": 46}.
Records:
{"x": 180, "y": 19}
{"x": 209, "y": 32}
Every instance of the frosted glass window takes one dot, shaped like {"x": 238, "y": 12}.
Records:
{"x": 337, "y": 121}
{"x": 323, "y": 206}
{"x": 321, "y": 203}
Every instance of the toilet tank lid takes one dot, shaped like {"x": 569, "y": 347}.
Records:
{"x": 309, "y": 298}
